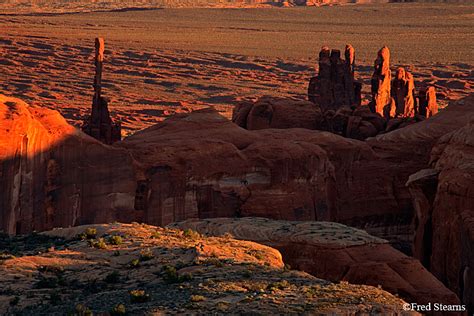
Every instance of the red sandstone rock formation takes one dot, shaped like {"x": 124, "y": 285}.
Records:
{"x": 99, "y": 124}
{"x": 281, "y": 113}
{"x": 427, "y": 105}
{"x": 403, "y": 93}
{"x": 270, "y": 112}
{"x": 202, "y": 165}
{"x": 54, "y": 175}
{"x": 335, "y": 252}
{"x": 334, "y": 87}
{"x": 381, "y": 82}
{"x": 445, "y": 213}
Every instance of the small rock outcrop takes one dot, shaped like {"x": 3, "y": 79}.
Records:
{"x": 99, "y": 124}
{"x": 334, "y": 87}
{"x": 270, "y": 112}
{"x": 381, "y": 84}
{"x": 335, "y": 252}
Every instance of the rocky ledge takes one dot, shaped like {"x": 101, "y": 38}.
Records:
{"x": 136, "y": 269}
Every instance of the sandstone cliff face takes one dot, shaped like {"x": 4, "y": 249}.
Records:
{"x": 335, "y": 252}
{"x": 53, "y": 175}
{"x": 202, "y": 165}
{"x": 452, "y": 226}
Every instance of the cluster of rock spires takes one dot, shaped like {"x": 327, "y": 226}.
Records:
{"x": 397, "y": 98}
{"x": 334, "y": 87}
{"x": 394, "y": 104}
{"x": 410, "y": 186}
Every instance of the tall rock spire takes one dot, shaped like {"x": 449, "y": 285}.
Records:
{"x": 99, "y": 124}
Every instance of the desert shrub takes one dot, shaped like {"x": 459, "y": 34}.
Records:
{"x": 170, "y": 275}
{"x": 92, "y": 287}
{"x": 139, "y": 296}
{"x": 6, "y": 256}
{"x": 197, "y": 298}
{"x": 191, "y": 234}
{"x": 155, "y": 235}
{"x": 281, "y": 285}
{"x": 113, "y": 277}
{"x": 81, "y": 310}
{"x": 146, "y": 255}
{"x": 214, "y": 261}
{"x": 257, "y": 254}
{"x": 14, "y": 301}
{"x": 246, "y": 274}
{"x": 55, "y": 298}
{"x": 185, "y": 277}
{"x": 255, "y": 286}
{"x": 58, "y": 270}
{"x": 118, "y": 310}
{"x": 47, "y": 283}
{"x": 115, "y": 240}
{"x": 135, "y": 263}
{"x": 89, "y": 233}
{"x": 99, "y": 244}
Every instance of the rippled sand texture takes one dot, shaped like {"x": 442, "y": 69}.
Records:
{"x": 165, "y": 61}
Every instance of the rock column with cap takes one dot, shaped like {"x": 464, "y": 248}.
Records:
{"x": 99, "y": 124}
{"x": 381, "y": 84}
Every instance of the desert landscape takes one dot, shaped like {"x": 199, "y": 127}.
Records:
{"x": 236, "y": 157}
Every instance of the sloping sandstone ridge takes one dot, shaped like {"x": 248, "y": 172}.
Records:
{"x": 200, "y": 165}
{"x": 140, "y": 269}
{"x": 334, "y": 252}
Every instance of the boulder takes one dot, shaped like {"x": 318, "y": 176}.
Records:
{"x": 334, "y": 252}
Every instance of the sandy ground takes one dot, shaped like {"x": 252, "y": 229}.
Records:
{"x": 68, "y": 6}
{"x": 165, "y": 61}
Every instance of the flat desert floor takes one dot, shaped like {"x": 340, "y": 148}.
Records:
{"x": 159, "y": 62}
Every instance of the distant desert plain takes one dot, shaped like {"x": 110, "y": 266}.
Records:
{"x": 163, "y": 61}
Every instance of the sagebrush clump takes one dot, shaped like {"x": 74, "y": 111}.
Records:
{"x": 139, "y": 296}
